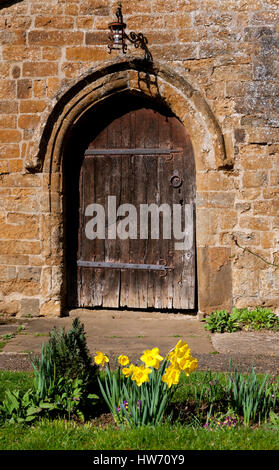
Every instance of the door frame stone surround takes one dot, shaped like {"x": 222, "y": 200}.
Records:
{"x": 46, "y": 154}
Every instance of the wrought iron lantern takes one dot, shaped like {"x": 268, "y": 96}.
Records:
{"x": 118, "y": 37}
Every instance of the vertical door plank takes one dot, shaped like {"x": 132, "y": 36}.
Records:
{"x": 95, "y": 171}
{"x": 146, "y": 136}
{"x": 91, "y": 286}
{"x": 127, "y": 190}
{"x": 165, "y": 164}
{"x": 185, "y": 266}
{"x": 112, "y": 187}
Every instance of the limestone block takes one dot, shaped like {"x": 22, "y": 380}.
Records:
{"x": 214, "y": 270}
{"x": 30, "y": 307}
{"x": 51, "y": 308}
{"x": 9, "y": 308}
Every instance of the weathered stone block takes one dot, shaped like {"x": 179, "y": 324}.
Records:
{"x": 39, "y": 69}
{"x": 19, "y": 226}
{"x": 32, "y": 106}
{"x": 51, "y": 53}
{"x": 51, "y": 308}
{"x": 268, "y": 240}
{"x": 82, "y": 53}
{"x": 94, "y": 7}
{"x": 17, "y": 247}
{"x": 28, "y": 121}
{"x": 215, "y": 199}
{"x": 8, "y": 121}
{"x": 15, "y": 166}
{"x": 24, "y": 88}
{"x": 18, "y": 53}
{"x": 30, "y": 307}
{"x": 86, "y": 22}
{"x": 254, "y": 223}
{"x": 8, "y": 107}
{"x": 245, "y": 283}
{"x": 274, "y": 178}
{"x": 254, "y": 179}
{"x": 215, "y": 270}
{"x": 10, "y": 136}
{"x": 10, "y": 308}
{"x": 55, "y": 38}
{"x": 270, "y": 208}
{"x": 54, "y": 22}
{"x": 19, "y": 286}
{"x": 29, "y": 273}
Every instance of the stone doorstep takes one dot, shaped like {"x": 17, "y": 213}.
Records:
{"x": 116, "y": 330}
{"x": 123, "y": 333}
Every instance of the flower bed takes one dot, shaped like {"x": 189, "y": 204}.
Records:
{"x": 68, "y": 383}
{"x": 140, "y": 394}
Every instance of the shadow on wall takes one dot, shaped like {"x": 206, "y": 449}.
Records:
{"x": 7, "y": 3}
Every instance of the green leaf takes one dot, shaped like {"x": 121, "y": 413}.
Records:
{"x": 93, "y": 396}
{"x": 30, "y": 418}
{"x": 33, "y": 411}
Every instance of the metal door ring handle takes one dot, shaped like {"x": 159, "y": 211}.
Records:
{"x": 176, "y": 181}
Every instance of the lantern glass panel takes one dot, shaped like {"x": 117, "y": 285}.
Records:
{"x": 117, "y": 37}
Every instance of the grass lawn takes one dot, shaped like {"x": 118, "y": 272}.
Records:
{"x": 61, "y": 435}
{"x": 14, "y": 380}
{"x": 67, "y": 435}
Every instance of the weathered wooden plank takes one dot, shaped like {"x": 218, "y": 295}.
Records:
{"x": 146, "y": 137}
{"x": 127, "y": 189}
{"x": 91, "y": 192}
{"x": 165, "y": 164}
{"x": 183, "y": 195}
{"x": 112, "y": 187}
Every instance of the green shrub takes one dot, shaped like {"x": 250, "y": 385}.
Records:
{"x": 65, "y": 376}
{"x": 222, "y": 321}
{"x": 65, "y": 380}
{"x": 71, "y": 355}
{"x": 257, "y": 318}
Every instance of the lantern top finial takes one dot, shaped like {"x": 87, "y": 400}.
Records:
{"x": 119, "y": 15}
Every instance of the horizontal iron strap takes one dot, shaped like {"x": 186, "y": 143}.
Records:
{"x": 100, "y": 264}
{"x": 136, "y": 151}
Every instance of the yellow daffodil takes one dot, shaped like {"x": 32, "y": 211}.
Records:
{"x": 100, "y": 359}
{"x": 128, "y": 371}
{"x": 180, "y": 357}
{"x": 140, "y": 374}
{"x": 151, "y": 358}
{"x": 123, "y": 360}
{"x": 190, "y": 366}
{"x": 171, "y": 376}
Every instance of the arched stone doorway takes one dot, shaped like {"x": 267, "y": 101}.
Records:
{"x": 138, "y": 160}
{"x": 48, "y": 153}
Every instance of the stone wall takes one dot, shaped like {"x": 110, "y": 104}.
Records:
{"x": 216, "y": 66}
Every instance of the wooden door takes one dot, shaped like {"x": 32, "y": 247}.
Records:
{"x": 140, "y": 159}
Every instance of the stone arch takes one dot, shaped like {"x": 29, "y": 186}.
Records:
{"x": 130, "y": 75}
{"x": 154, "y": 80}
